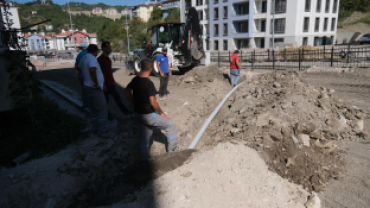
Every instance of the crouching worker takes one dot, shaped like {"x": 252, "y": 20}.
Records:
{"x": 141, "y": 93}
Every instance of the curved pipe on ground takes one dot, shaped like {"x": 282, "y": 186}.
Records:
{"x": 210, "y": 118}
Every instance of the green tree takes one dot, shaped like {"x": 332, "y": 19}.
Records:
{"x": 114, "y": 33}
{"x": 137, "y": 33}
{"x": 173, "y": 15}
{"x": 155, "y": 17}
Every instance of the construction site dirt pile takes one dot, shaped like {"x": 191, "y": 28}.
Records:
{"x": 202, "y": 74}
{"x": 294, "y": 126}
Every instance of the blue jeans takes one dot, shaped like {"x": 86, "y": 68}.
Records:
{"x": 235, "y": 76}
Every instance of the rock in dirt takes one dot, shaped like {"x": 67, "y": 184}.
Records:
{"x": 305, "y": 139}
{"x": 186, "y": 174}
{"x": 262, "y": 120}
{"x": 305, "y": 127}
{"x": 313, "y": 202}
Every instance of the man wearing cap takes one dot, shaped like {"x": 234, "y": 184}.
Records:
{"x": 234, "y": 68}
{"x": 141, "y": 93}
{"x": 93, "y": 87}
{"x": 165, "y": 72}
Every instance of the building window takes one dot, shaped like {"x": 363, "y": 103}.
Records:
{"x": 333, "y": 21}
{"x": 327, "y": 6}
{"x": 225, "y": 29}
{"x": 305, "y": 41}
{"x": 242, "y": 9}
{"x": 279, "y": 25}
{"x": 317, "y": 24}
{"x": 332, "y": 39}
{"x": 264, "y": 7}
{"x": 306, "y": 24}
{"x": 225, "y": 12}
{"x": 241, "y": 27}
{"x": 206, "y": 12}
{"x": 277, "y": 40}
{"x": 318, "y": 6}
{"x": 216, "y": 30}
{"x": 200, "y": 15}
{"x": 225, "y": 45}
{"x": 326, "y": 24}
{"x": 215, "y": 47}
{"x": 216, "y": 14}
{"x": 81, "y": 41}
{"x": 316, "y": 41}
{"x": 32, "y": 44}
{"x": 243, "y": 43}
{"x": 86, "y": 40}
{"x": 308, "y": 6}
{"x": 199, "y": 2}
{"x": 335, "y": 6}
{"x": 263, "y": 26}
{"x": 215, "y": 2}
{"x": 280, "y": 6}
{"x": 207, "y": 44}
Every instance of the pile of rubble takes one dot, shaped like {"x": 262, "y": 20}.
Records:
{"x": 294, "y": 126}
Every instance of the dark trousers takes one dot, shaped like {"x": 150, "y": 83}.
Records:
{"x": 83, "y": 94}
{"x": 163, "y": 85}
{"x": 98, "y": 109}
{"x": 111, "y": 90}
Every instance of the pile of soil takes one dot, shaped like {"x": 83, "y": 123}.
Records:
{"x": 229, "y": 175}
{"x": 202, "y": 74}
{"x": 294, "y": 126}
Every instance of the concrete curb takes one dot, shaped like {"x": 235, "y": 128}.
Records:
{"x": 65, "y": 93}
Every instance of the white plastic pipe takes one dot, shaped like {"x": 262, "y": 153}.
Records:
{"x": 209, "y": 120}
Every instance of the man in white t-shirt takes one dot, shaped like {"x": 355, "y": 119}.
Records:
{"x": 93, "y": 86}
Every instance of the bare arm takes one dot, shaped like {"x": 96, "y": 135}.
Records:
{"x": 94, "y": 77}
{"x": 159, "y": 69}
{"x": 129, "y": 96}
{"x": 238, "y": 64}
{"x": 156, "y": 107}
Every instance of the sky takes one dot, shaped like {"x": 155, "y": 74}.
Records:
{"x": 108, "y": 2}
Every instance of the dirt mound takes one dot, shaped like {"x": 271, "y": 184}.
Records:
{"x": 202, "y": 74}
{"x": 294, "y": 126}
{"x": 222, "y": 171}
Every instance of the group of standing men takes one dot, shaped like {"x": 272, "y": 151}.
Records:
{"x": 96, "y": 77}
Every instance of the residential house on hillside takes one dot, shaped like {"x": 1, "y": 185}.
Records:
{"x": 236, "y": 24}
{"x": 169, "y": 4}
{"x": 66, "y": 41}
{"x": 143, "y": 11}
{"x": 97, "y": 10}
{"x": 37, "y": 42}
{"x": 127, "y": 12}
{"x": 110, "y": 11}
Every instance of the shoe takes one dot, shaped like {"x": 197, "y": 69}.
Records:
{"x": 168, "y": 92}
{"x": 162, "y": 98}
{"x": 178, "y": 149}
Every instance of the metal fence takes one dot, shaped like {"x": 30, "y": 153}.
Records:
{"x": 347, "y": 56}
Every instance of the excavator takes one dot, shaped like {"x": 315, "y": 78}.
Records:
{"x": 182, "y": 40}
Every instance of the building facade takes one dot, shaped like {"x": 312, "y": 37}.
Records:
{"x": 169, "y": 4}
{"x": 66, "y": 39}
{"x": 36, "y": 42}
{"x": 143, "y": 11}
{"x": 240, "y": 24}
{"x": 97, "y": 10}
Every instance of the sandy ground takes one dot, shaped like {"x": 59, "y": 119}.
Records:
{"x": 98, "y": 172}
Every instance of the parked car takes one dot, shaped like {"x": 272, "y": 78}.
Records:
{"x": 365, "y": 39}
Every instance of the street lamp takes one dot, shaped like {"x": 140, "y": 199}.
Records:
{"x": 70, "y": 18}
{"x": 273, "y": 25}
{"x": 128, "y": 40}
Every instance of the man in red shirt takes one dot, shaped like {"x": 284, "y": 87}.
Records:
{"x": 106, "y": 67}
{"x": 234, "y": 68}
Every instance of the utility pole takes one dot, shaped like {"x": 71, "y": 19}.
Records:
{"x": 128, "y": 40}
{"x": 70, "y": 18}
{"x": 273, "y": 25}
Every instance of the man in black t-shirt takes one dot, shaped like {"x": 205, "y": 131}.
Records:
{"x": 141, "y": 93}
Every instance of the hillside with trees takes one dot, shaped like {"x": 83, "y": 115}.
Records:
{"x": 81, "y": 6}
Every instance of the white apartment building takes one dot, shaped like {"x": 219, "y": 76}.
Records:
{"x": 240, "y": 24}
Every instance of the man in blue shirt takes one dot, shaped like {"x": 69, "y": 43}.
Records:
{"x": 80, "y": 76}
{"x": 165, "y": 72}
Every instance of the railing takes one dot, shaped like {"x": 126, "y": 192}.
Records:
{"x": 299, "y": 58}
